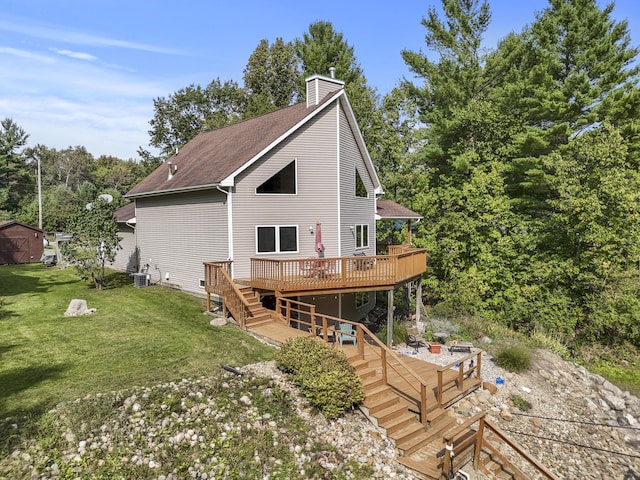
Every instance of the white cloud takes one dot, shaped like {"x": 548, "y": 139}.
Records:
{"x": 64, "y": 35}
{"x": 25, "y": 54}
{"x": 76, "y": 55}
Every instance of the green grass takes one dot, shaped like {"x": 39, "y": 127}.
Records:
{"x": 138, "y": 336}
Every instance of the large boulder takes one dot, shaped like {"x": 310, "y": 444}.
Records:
{"x": 78, "y": 307}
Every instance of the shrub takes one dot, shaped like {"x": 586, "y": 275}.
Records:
{"x": 399, "y": 333}
{"x": 514, "y": 359}
{"x": 522, "y": 404}
{"x": 323, "y": 374}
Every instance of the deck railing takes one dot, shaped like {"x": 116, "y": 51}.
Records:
{"x": 218, "y": 278}
{"x": 327, "y": 327}
{"x": 287, "y": 275}
{"x": 458, "y": 440}
{"x": 458, "y": 380}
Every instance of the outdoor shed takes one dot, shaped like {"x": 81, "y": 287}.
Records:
{"x": 20, "y": 243}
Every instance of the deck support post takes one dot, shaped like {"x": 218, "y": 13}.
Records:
{"x": 418, "y": 298}
{"x": 478, "y": 447}
{"x": 389, "y": 318}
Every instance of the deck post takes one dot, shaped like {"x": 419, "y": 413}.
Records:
{"x": 423, "y": 403}
{"x": 389, "y": 318}
{"x": 360, "y": 340}
{"x": 479, "y": 440}
{"x": 446, "y": 464}
{"x": 312, "y": 313}
{"x": 418, "y": 298}
{"x": 383, "y": 363}
{"x": 208, "y": 302}
{"x": 461, "y": 376}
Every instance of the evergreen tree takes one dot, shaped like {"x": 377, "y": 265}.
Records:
{"x": 16, "y": 180}
{"x": 322, "y": 48}
{"x": 270, "y": 77}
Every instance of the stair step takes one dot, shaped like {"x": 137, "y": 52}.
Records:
{"x": 393, "y": 411}
{"x": 405, "y": 435}
{"x": 368, "y": 372}
{"x": 380, "y": 403}
{"x": 423, "y": 467}
{"x": 412, "y": 443}
{"x": 371, "y": 383}
{"x": 398, "y": 422}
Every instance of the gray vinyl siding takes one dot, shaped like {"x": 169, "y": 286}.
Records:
{"x": 176, "y": 233}
{"x": 330, "y": 305}
{"x": 127, "y": 258}
{"x": 315, "y": 147}
{"x": 354, "y": 210}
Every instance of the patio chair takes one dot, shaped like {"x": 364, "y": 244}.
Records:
{"x": 415, "y": 343}
{"x": 346, "y": 333}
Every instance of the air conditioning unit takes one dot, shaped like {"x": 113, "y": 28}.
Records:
{"x": 141, "y": 280}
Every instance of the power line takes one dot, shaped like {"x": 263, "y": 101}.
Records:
{"x": 613, "y": 452}
{"x": 583, "y": 422}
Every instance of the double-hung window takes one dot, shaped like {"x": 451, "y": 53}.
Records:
{"x": 362, "y": 236}
{"x": 276, "y": 238}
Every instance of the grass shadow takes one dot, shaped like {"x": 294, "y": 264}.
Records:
{"x": 20, "y": 379}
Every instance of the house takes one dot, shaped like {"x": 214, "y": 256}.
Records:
{"x": 20, "y": 243}
{"x": 294, "y": 190}
{"x": 129, "y": 259}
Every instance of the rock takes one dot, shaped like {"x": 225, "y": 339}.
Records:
{"x": 78, "y": 307}
{"x": 490, "y": 387}
{"x": 218, "y": 322}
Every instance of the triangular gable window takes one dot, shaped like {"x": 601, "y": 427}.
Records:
{"x": 283, "y": 182}
{"x": 361, "y": 190}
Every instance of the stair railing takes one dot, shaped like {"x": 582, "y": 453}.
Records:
{"x": 218, "y": 280}
{"x": 326, "y": 327}
{"x": 463, "y": 374}
{"x": 453, "y": 450}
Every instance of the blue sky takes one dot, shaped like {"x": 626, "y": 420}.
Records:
{"x": 78, "y": 72}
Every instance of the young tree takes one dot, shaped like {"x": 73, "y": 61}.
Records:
{"x": 95, "y": 240}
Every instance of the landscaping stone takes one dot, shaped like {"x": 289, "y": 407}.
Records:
{"x": 78, "y": 307}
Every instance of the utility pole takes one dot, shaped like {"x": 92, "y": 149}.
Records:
{"x": 39, "y": 196}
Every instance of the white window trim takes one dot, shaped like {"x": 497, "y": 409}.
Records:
{"x": 278, "y": 227}
{"x": 295, "y": 167}
{"x": 359, "y": 227}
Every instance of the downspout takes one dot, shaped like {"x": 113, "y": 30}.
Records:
{"x": 229, "y": 223}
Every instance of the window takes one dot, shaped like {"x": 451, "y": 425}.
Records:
{"x": 283, "y": 182}
{"x": 361, "y": 190}
{"x": 277, "y": 239}
{"x": 362, "y": 236}
{"x": 362, "y": 299}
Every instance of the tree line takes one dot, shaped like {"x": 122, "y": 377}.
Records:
{"x": 522, "y": 159}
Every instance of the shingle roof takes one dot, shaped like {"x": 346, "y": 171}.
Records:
{"x": 213, "y": 156}
{"x": 125, "y": 213}
{"x": 390, "y": 210}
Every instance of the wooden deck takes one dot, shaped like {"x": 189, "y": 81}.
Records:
{"x": 335, "y": 274}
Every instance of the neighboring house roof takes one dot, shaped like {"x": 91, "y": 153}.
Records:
{"x": 126, "y": 214}
{"x": 7, "y": 223}
{"x": 390, "y": 210}
{"x": 215, "y": 157}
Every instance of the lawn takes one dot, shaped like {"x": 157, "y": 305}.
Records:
{"x": 137, "y": 337}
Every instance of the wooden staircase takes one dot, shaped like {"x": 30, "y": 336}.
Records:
{"x": 258, "y": 314}
{"x": 421, "y": 447}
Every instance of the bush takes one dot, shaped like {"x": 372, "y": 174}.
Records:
{"x": 514, "y": 359}
{"x": 520, "y": 403}
{"x": 399, "y": 333}
{"x": 323, "y": 374}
